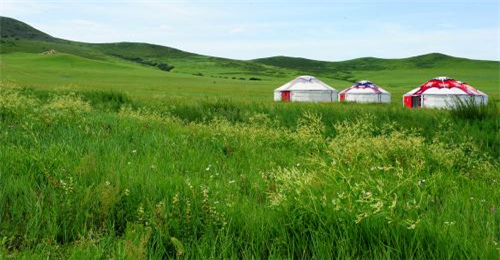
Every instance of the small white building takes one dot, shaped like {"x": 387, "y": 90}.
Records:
{"x": 305, "y": 89}
{"x": 443, "y": 92}
{"x": 365, "y": 92}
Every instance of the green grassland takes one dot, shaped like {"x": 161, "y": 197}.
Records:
{"x": 95, "y": 175}
{"x": 106, "y": 156}
{"x": 127, "y": 67}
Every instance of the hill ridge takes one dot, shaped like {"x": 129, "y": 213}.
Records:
{"x": 11, "y": 27}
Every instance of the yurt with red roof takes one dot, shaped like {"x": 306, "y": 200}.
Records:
{"x": 305, "y": 89}
{"x": 443, "y": 92}
{"x": 365, "y": 92}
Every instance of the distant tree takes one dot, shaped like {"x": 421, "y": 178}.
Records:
{"x": 165, "y": 67}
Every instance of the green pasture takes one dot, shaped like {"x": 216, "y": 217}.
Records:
{"x": 66, "y": 71}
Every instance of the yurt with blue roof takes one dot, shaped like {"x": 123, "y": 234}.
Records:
{"x": 365, "y": 92}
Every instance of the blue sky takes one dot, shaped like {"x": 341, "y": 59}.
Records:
{"x": 324, "y": 30}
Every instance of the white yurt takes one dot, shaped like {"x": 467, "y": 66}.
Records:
{"x": 305, "y": 89}
{"x": 365, "y": 92}
{"x": 443, "y": 92}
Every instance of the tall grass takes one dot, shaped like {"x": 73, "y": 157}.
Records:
{"x": 92, "y": 176}
{"x": 469, "y": 109}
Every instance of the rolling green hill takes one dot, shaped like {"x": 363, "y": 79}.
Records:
{"x": 144, "y": 69}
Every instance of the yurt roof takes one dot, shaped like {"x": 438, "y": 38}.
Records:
{"x": 445, "y": 86}
{"x": 365, "y": 87}
{"x": 305, "y": 83}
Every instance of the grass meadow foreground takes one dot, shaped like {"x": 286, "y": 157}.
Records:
{"x": 98, "y": 175}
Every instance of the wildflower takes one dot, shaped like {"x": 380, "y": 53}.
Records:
{"x": 360, "y": 217}
{"x": 471, "y": 198}
{"x": 412, "y": 224}
{"x": 208, "y": 168}
{"x": 126, "y": 192}
{"x": 367, "y": 194}
{"x": 134, "y": 151}
{"x": 175, "y": 199}
{"x": 298, "y": 164}
{"x": 377, "y": 206}
{"x": 108, "y": 183}
{"x": 188, "y": 211}
{"x": 159, "y": 206}
{"x": 232, "y": 181}
{"x": 449, "y": 223}
{"x": 394, "y": 202}
{"x": 140, "y": 213}
{"x": 206, "y": 206}
{"x": 421, "y": 182}
{"x": 153, "y": 166}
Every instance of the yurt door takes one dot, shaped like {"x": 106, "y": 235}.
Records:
{"x": 285, "y": 96}
{"x": 416, "y": 101}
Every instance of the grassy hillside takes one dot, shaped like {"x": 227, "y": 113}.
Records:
{"x": 23, "y": 38}
{"x": 133, "y": 67}
{"x": 65, "y": 71}
{"x": 375, "y": 64}
{"x": 13, "y": 29}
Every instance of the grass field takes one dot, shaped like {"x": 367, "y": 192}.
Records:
{"x": 104, "y": 157}
{"x": 67, "y": 71}
{"x": 95, "y": 175}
